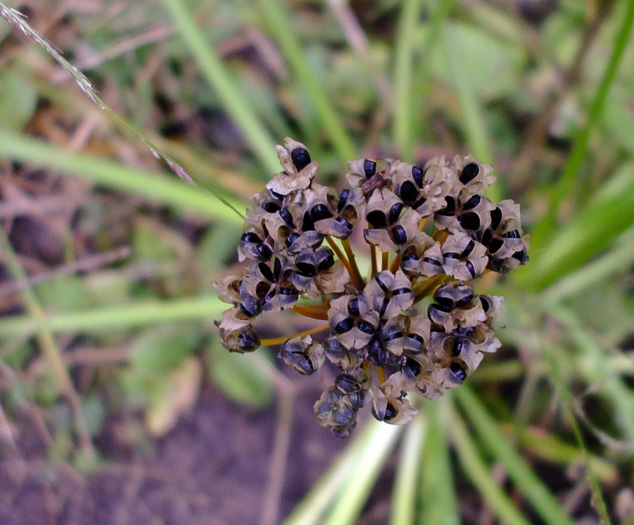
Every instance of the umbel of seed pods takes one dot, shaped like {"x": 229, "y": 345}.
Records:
{"x": 430, "y": 231}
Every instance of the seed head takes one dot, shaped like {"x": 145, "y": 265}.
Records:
{"x": 431, "y": 233}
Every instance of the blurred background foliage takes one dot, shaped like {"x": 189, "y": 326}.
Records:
{"x": 106, "y": 257}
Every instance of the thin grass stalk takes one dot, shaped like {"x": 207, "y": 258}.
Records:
{"x": 142, "y": 313}
{"x": 543, "y": 501}
{"x": 50, "y": 349}
{"x": 280, "y": 23}
{"x": 368, "y": 464}
{"x": 403, "y": 508}
{"x": 228, "y": 91}
{"x": 170, "y": 192}
{"x": 436, "y": 488}
{"x": 404, "y": 62}
{"x": 311, "y": 509}
{"x": 571, "y": 172}
{"x": 476, "y": 469}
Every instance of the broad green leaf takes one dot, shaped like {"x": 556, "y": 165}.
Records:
{"x": 239, "y": 376}
{"x": 162, "y": 350}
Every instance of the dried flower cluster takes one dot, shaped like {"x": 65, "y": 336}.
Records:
{"x": 430, "y": 231}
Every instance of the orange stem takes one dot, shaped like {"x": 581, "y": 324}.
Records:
{"x": 283, "y": 339}
{"x": 319, "y": 311}
{"x": 374, "y": 268}
{"x": 355, "y": 275}
{"x": 385, "y": 260}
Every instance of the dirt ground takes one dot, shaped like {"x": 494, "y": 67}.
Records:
{"x": 212, "y": 469}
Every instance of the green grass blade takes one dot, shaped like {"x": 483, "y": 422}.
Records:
{"x": 167, "y": 191}
{"x": 312, "y": 508}
{"x": 571, "y": 172}
{"x": 280, "y": 24}
{"x": 540, "y": 497}
{"x": 618, "y": 259}
{"x": 368, "y": 464}
{"x": 119, "y": 316}
{"x": 405, "y": 46}
{"x": 439, "y": 505}
{"x": 475, "y": 126}
{"x": 229, "y": 93}
{"x": 475, "y": 467}
{"x": 403, "y": 507}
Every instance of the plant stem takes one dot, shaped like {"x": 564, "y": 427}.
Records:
{"x": 356, "y": 276}
{"x": 282, "y": 339}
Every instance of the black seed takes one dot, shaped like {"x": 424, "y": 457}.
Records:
{"x": 248, "y": 341}
{"x": 395, "y": 212}
{"x": 409, "y": 257}
{"x": 408, "y": 192}
{"x": 264, "y": 251}
{"x": 266, "y": 272}
{"x": 376, "y": 219}
{"x": 270, "y": 295}
{"x": 433, "y": 262}
{"x": 471, "y": 203}
{"x": 486, "y": 237}
{"x": 343, "y": 199}
{"x": 271, "y": 207}
{"x": 451, "y": 255}
{"x": 411, "y": 368}
{"x": 307, "y": 366}
{"x": 344, "y": 326}
{"x": 377, "y": 354}
{"x": 326, "y": 262}
{"x": 468, "y": 173}
{"x": 520, "y": 256}
{"x": 320, "y": 212}
{"x": 394, "y": 334}
{"x": 386, "y": 301}
{"x": 471, "y": 269}
{"x": 496, "y": 217}
{"x": 485, "y": 303}
{"x": 495, "y": 245}
{"x": 419, "y": 203}
{"x": 288, "y": 291}
{"x": 450, "y": 208}
{"x": 246, "y": 311}
{"x": 277, "y": 268}
{"x": 347, "y": 225}
{"x": 366, "y": 327}
{"x": 444, "y": 303}
{"x": 390, "y": 411}
{"x": 417, "y": 338}
{"x": 469, "y": 221}
{"x": 301, "y": 158}
{"x": 458, "y": 370}
{"x": 512, "y": 235}
{"x": 381, "y": 284}
{"x": 458, "y": 345}
{"x": 291, "y": 239}
{"x": 417, "y": 174}
{"x": 465, "y": 300}
{"x": 346, "y": 383}
{"x": 286, "y": 216}
{"x": 250, "y": 237}
{"x": 306, "y": 269}
{"x": 400, "y": 291}
{"x": 399, "y": 236}
{"x": 369, "y": 168}
{"x": 307, "y": 223}
{"x": 278, "y": 196}
{"x": 353, "y": 306}
{"x": 467, "y": 251}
